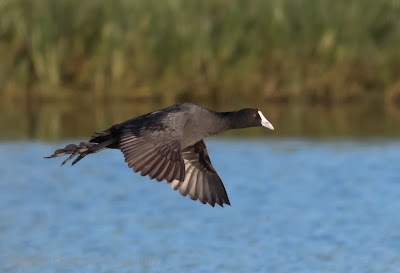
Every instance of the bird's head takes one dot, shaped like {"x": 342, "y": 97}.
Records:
{"x": 251, "y": 118}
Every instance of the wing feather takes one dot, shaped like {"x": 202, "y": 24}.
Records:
{"x": 201, "y": 180}
{"x": 153, "y": 153}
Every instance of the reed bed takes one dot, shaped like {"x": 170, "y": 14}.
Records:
{"x": 174, "y": 50}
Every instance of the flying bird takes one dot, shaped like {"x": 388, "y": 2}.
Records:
{"x": 168, "y": 145}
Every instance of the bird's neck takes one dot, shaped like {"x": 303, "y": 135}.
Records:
{"x": 231, "y": 120}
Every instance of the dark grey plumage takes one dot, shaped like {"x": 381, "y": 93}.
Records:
{"x": 168, "y": 145}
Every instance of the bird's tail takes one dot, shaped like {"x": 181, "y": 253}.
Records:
{"x": 83, "y": 149}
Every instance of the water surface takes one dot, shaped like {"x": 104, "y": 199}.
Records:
{"x": 55, "y": 121}
{"x": 298, "y": 205}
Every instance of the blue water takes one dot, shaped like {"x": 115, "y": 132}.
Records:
{"x": 297, "y": 206}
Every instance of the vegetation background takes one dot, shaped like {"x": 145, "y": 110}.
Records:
{"x": 220, "y": 53}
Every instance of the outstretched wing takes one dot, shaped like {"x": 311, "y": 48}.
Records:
{"x": 154, "y": 148}
{"x": 201, "y": 180}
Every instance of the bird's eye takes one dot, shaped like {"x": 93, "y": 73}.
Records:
{"x": 254, "y": 115}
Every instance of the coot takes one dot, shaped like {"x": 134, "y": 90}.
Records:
{"x": 168, "y": 145}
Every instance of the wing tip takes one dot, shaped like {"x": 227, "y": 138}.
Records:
{"x": 221, "y": 204}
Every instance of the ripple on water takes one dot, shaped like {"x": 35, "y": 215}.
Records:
{"x": 297, "y": 206}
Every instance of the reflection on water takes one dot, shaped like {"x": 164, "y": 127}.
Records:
{"x": 54, "y": 121}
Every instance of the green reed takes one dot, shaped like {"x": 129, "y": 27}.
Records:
{"x": 171, "y": 50}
